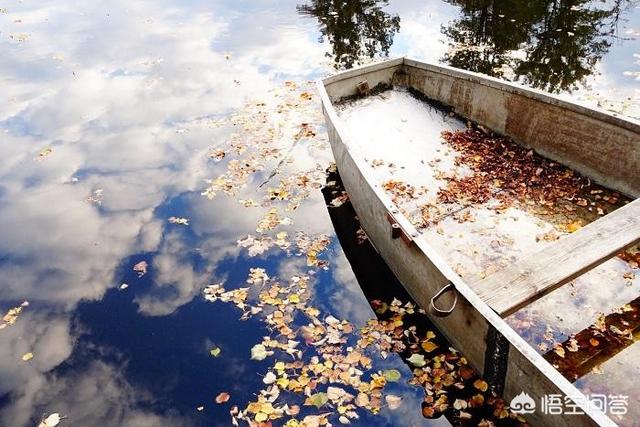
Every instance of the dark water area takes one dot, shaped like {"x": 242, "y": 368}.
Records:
{"x": 145, "y": 147}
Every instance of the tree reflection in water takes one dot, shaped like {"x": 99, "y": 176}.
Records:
{"x": 550, "y": 45}
{"x": 356, "y": 29}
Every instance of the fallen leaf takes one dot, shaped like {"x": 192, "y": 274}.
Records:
{"x": 178, "y": 220}
{"x": 393, "y": 401}
{"x": 417, "y": 360}
{"x": 51, "y": 421}
{"x": 559, "y": 350}
{"x": 481, "y": 385}
{"x": 460, "y": 404}
{"x": 27, "y": 356}
{"x": 215, "y": 351}
{"x": 392, "y": 375}
{"x": 44, "y": 153}
{"x": 222, "y": 398}
{"x": 259, "y": 352}
{"x": 573, "y": 345}
{"x": 362, "y": 400}
{"x": 141, "y": 268}
{"x": 429, "y": 346}
{"x": 574, "y": 226}
{"x": 318, "y": 400}
{"x": 270, "y": 378}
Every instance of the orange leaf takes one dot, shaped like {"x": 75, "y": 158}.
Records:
{"x": 222, "y": 397}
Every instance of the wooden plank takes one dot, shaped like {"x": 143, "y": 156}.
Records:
{"x": 530, "y": 279}
{"x": 598, "y": 344}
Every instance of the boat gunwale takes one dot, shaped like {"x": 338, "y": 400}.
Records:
{"x": 492, "y": 318}
{"x": 580, "y": 107}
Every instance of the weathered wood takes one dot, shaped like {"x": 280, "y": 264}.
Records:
{"x": 599, "y": 144}
{"x": 597, "y": 344}
{"x": 512, "y": 288}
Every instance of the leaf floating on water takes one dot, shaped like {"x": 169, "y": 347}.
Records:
{"x": 318, "y": 400}
{"x": 573, "y": 345}
{"x": 340, "y": 200}
{"x": 292, "y": 410}
{"x": 270, "y": 378}
{"x": 429, "y": 346}
{"x": 200, "y": 408}
{"x": 11, "y": 317}
{"x": 392, "y": 375}
{"x": 417, "y": 360}
{"x": 460, "y": 404}
{"x": 217, "y": 155}
{"x": 600, "y": 323}
{"x": 363, "y": 400}
{"x": 96, "y": 197}
{"x": 141, "y": 268}
{"x": 215, "y": 351}
{"x": 44, "y": 153}
{"x": 259, "y": 352}
{"x": 559, "y": 350}
{"x": 481, "y": 385}
{"x": 27, "y": 356}
{"x": 344, "y": 420}
{"x": 393, "y": 401}
{"x": 222, "y": 398}
{"x": 178, "y": 220}
{"x": 51, "y": 421}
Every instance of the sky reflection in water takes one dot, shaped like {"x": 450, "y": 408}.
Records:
{"x": 125, "y": 95}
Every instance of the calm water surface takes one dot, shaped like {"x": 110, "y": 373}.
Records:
{"x": 109, "y": 115}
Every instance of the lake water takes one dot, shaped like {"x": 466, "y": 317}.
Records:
{"x": 150, "y": 149}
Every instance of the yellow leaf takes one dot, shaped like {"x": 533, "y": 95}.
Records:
{"x": 574, "y": 226}
{"x": 294, "y": 298}
{"x": 283, "y": 382}
{"x": 429, "y": 346}
{"x": 27, "y": 356}
{"x": 481, "y": 385}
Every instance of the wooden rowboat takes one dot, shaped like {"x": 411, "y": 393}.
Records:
{"x": 597, "y": 144}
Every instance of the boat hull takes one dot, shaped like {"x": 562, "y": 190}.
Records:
{"x": 492, "y": 347}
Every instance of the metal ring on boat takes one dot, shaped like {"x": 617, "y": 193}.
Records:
{"x": 438, "y": 311}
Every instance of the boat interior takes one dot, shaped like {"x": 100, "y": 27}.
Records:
{"x": 530, "y": 198}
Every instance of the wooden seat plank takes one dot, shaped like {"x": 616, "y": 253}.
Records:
{"x": 514, "y": 287}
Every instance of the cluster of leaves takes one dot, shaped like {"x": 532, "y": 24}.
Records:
{"x": 11, "y": 317}
{"x": 324, "y": 370}
{"x": 263, "y": 139}
{"x": 331, "y": 364}
{"x": 518, "y": 172}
